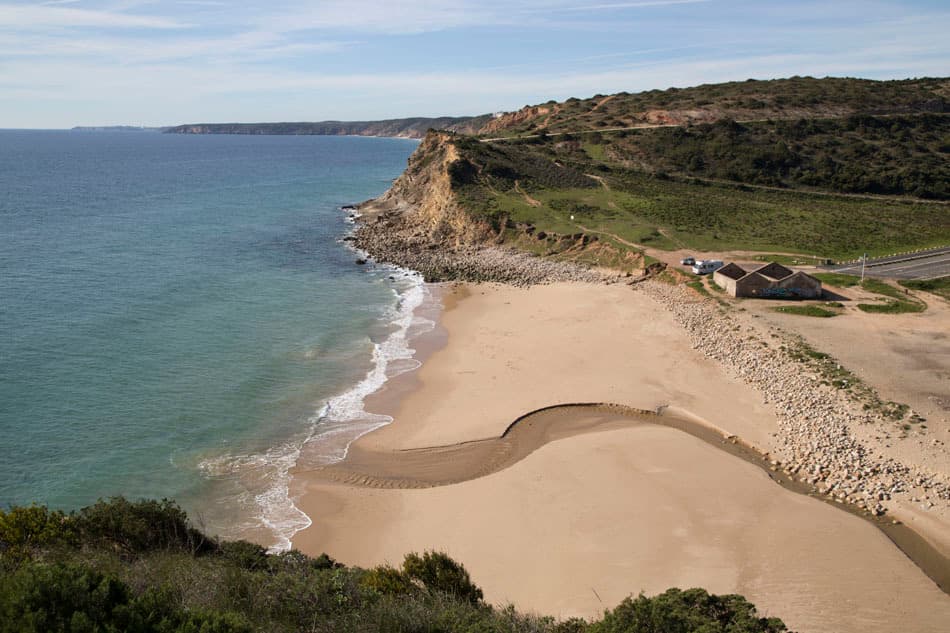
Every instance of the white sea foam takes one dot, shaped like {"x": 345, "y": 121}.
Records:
{"x": 340, "y": 421}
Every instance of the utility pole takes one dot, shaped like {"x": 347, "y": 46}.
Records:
{"x": 864, "y": 261}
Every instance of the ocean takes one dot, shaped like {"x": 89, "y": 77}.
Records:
{"x": 179, "y": 316}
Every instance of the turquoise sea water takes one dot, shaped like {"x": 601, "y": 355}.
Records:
{"x": 178, "y": 316}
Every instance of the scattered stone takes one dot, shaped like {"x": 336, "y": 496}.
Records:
{"x": 814, "y": 419}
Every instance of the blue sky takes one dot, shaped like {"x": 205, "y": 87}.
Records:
{"x": 98, "y": 62}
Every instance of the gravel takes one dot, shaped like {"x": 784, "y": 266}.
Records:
{"x": 815, "y": 420}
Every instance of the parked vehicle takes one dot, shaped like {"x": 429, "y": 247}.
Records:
{"x": 688, "y": 261}
{"x": 706, "y": 266}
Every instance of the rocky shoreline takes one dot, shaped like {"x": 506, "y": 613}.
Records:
{"x": 816, "y": 421}
{"x": 389, "y": 237}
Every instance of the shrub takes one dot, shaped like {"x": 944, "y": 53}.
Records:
{"x": 72, "y": 598}
{"x": 60, "y": 598}
{"x": 388, "y": 580}
{"x": 25, "y": 528}
{"x": 436, "y": 571}
{"x": 249, "y": 556}
{"x": 693, "y": 610}
{"x": 141, "y": 526}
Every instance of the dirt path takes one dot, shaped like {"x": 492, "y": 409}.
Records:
{"x": 602, "y": 102}
{"x": 531, "y": 201}
{"x": 599, "y": 179}
{"x": 614, "y": 236}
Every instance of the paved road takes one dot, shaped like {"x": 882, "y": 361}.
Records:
{"x": 924, "y": 265}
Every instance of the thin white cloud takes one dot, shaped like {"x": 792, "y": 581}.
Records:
{"x": 250, "y": 47}
{"x": 184, "y": 93}
{"x": 384, "y": 16}
{"x": 39, "y": 17}
{"x": 274, "y": 63}
{"x": 616, "y": 6}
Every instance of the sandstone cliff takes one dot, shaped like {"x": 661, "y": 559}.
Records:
{"x": 419, "y": 223}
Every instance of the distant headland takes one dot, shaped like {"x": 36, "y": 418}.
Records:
{"x": 415, "y": 127}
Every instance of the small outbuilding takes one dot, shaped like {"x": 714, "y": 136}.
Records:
{"x": 770, "y": 280}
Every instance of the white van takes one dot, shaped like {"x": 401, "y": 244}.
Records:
{"x": 706, "y": 266}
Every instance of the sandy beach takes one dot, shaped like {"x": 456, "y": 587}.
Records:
{"x": 606, "y": 508}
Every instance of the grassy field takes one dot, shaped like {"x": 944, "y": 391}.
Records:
{"x": 807, "y": 310}
{"x": 787, "y": 260}
{"x": 670, "y": 215}
{"x": 898, "y": 302}
{"x": 544, "y": 183}
{"x": 893, "y": 307}
{"x": 720, "y": 175}
{"x": 837, "y": 279}
{"x": 939, "y": 286}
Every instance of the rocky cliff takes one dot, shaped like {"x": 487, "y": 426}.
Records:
{"x": 420, "y": 224}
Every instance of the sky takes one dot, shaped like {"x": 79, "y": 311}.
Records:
{"x": 167, "y": 62}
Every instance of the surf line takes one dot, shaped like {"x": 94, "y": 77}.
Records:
{"x": 455, "y": 463}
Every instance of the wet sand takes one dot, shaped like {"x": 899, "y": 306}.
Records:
{"x": 572, "y": 514}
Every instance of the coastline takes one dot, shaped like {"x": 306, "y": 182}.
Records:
{"x": 599, "y": 344}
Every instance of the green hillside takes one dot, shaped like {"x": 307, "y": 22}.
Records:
{"x": 846, "y": 167}
{"x": 796, "y": 97}
{"x": 887, "y": 155}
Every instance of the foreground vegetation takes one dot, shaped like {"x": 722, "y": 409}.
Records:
{"x": 140, "y": 567}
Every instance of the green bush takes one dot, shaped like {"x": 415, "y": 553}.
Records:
{"x": 75, "y": 599}
{"x": 388, "y": 580}
{"x": 437, "y": 572}
{"x": 249, "y": 556}
{"x": 25, "y": 528}
{"x": 141, "y": 526}
{"x": 689, "y": 611}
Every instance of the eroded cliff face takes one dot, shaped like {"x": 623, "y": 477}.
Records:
{"x": 527, "y": 114}
{"x": 422, "y": 196}
{"x": 419, "y": 224}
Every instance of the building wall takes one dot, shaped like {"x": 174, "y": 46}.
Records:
{"x": 797, "y": 284}
{"x": 725, "y": 282}
{"x": 752, "y": 285}
{"x": 801, "y": 285}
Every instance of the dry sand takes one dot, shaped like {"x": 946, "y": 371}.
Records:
{"x": 585, "y": 520}
{"x": 906, "y": 357}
